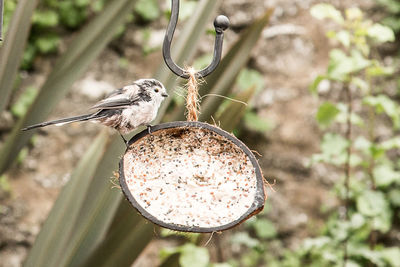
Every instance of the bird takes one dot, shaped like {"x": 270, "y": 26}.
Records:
{"x": 125, "y": 109}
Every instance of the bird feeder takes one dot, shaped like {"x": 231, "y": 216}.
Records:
{"x": 191, "y": 177}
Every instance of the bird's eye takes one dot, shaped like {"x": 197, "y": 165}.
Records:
{"x": 156, "y": 90}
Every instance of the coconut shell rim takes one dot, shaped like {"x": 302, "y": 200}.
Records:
{"x": 259, "y": 199}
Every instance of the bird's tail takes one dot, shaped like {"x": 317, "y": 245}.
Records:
{"x": 62, "y": 121}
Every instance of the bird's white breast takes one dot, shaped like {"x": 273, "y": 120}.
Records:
{"x": 141, "y": 114}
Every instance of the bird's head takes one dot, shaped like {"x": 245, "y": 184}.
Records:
{"x": 153, "y": 88}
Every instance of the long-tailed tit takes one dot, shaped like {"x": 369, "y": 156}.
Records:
{"x": 124, "y": 109}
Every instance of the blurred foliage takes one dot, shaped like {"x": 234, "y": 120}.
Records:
{"x": 392, "y": 7}
{"x": 4, "y": 186}
{"x": 20, "y": 107}
{"x": 50, "y": 19}
{"x": 370, "y": 210}
{"x": 148, "y": 9}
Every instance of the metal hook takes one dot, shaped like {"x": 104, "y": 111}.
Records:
{"x": 1, "y": 20}
{"x": 221, "y": 23}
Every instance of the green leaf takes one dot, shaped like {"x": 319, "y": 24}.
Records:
{"x": 370, "y": 149}
{"x": 362, "y": 144}
{"x": 29, "y": 55}
{"x": 221, "y": 265}
{"x": 382, "y": 103}
{"x": 129, "y": 236}
{"x": 81, "y": 3}
{"x": 248, "y": 78}
{"x": 314, "y": 86}
{"x": 394, "y": 197}
{"x": 71, "y": 16}
{"x": 96, "y": 213}
{"x": 340, "y": 230}
{"x": 8, "y": 10}
{"x": 326, "y": 114}
{"x": 24, "y": 101}
{"x": 393, "y": 6}
{"x": 380, "y": 33}
{"x": 343, "y": 116}
{"x": 310, "y": 244}
{"x": 370, "y": 203}
{"x": 234, "y": 112}
{"x": 45, "y": 18}
{"x": 392, "y": 22}
{"x": 192, "y": 256}
{"x": 243, "y": 238}
{"x": 383, "y": 222}
{"x": 98, "y": 5}
{"x": 333, "y": 148}
{"x": 22, "y": 155}
{"x": 327, "y": 11}
{"x": 354, "y": 13}
{"x": 344, "y": 38}
{"x": 12, "y": 50}
{"x": 341, "y": 65}
{"x": 334, "y": 144}
{"x": 392, "y": 143}
{"x": 391, "y": 255}
{"x": 357, "y": 221}
{"x": 363, "y": 252}
{"x": 60, "y": 222}
{"x": 191, "y": 237}
{"x": 378, "y": 71}
{"x": 264, "y": 228}
{"x": 257, "y": 123}
{"x": 47, "y": 43}
{"x": 4, "y": 185}
{"x": 361, "y": 84}
{"x": 148, "y": 9}
{"x": 385, "y": 175}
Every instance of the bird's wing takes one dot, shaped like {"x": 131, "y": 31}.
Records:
{"x": 120, "y": 98}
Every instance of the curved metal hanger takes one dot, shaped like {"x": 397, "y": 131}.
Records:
{"x": 221, "y": 23}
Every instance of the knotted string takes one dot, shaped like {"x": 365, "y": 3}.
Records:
{"x": 192, "y": 98}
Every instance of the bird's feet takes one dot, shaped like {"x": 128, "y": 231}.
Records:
{"x": 149, "y": 128}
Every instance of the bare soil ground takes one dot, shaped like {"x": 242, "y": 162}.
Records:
{"x": 289, "y": 58}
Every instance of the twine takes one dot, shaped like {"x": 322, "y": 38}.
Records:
{"x": 192, "y": 98}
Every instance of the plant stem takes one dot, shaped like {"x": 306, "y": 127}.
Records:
{"x": 347, "y": 166}
{"x": 371, "y": 135}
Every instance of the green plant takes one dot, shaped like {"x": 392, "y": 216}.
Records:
{"x": 360, "y": 232}
{"x": 13, "y": 47}
{"x": 49, "y": 20}
{"x": 370, "y": 172}
{"x": 392, "y": 7}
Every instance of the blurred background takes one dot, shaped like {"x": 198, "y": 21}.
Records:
{"x": 322, "y": 86}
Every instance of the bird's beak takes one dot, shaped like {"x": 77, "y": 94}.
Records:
{"x": 164, "y": 95}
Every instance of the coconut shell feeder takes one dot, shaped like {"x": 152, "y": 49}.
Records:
{"x": 191, "y": 176}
